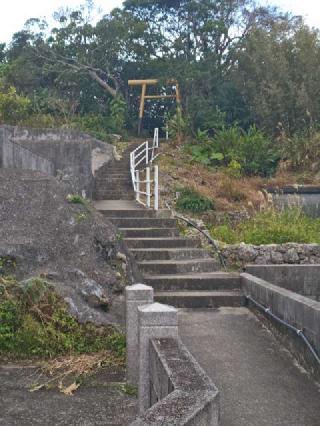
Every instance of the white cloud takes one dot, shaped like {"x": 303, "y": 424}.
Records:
{"x": 14, "y": 13}
{"x": 309, "y": 9}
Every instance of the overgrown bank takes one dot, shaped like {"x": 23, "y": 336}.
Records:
{"x": 35, "y": 323}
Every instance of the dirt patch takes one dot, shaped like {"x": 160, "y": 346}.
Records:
{"x": 235, "y": 198}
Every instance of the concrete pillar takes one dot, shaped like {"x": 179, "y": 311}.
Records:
{"x": 136, "y": 295}
{"x": 155, "y": 321}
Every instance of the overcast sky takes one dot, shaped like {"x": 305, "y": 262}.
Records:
{"x": 14, "y": 13}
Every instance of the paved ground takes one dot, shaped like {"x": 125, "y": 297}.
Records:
{"x": 260, "y": 383}
{"x": 99, "y": 402}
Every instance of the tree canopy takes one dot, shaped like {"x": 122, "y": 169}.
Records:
{"x": 235, "y": 62}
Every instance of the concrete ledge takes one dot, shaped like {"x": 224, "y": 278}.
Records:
{"x": 299, "y": 311}
{"x": 295, "y": 189}
{"x": 181, "y": 392}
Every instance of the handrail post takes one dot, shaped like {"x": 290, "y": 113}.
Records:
{"x": 148, "y": 185}
{"x": 156, "y": 187}
{"x": 147, "y": 152}
{"x": 137, "y": 186}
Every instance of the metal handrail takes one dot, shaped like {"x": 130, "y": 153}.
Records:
{"x": 138, "y": 156}
{"x": 296, "y": 330}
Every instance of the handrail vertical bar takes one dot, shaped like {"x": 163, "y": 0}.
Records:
{"x": 156, "y": 187}
{"x": 148, "y": 189}
{"x": 137, "y": 186}
{"x": 147, "y": 152}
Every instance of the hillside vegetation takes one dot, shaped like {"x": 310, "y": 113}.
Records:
{"x": 237, "y": 64}
{"x": 249, "y": 82}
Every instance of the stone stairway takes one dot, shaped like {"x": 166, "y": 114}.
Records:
{"x": 180, "y": 271}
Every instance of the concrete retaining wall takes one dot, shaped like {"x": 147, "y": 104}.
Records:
{"x": 299, "y": 311}
{"x": 13, "y": 155}
{"x": 302, "y": 279}
{"x": 74, "y": 156}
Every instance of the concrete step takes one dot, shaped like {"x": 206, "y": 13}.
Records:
{"x": 116, "y": 187}
{"x": 194, "y": 281}
{"x": 138, "y": 213}
{"x": 117, "y": 205}
{"x": 113, "y": 172}
{"x": 113, "y": 188}
{"x": 169, "y": 254}
{"x": 201, "y": 299}
{"x": 119, "y": 168}
{"x": 168, "y": 242}
{"x": 113, "y": 195}
{"x": 112, "y": 180}
{"x": 149, "y": 232}
{"x": 166, "y": 267}
{"x": 143, "y": 222}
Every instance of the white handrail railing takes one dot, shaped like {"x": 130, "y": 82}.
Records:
{"x": 139, "y": 156}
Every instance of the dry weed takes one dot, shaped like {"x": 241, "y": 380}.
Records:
{"x": 67, "y": 372}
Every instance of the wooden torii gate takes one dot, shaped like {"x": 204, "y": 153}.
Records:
{"x": 144, "y": 96}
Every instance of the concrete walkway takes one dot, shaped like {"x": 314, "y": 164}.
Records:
{"x": 259, "y": 382}
{"x": 99, "y": 401}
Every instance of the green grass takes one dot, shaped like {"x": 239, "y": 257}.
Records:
{"x": 271, "y": 227}
{"x": 35, "y": 323}
{"x": 77, "y": 199}
{"x": 190, "y": 200}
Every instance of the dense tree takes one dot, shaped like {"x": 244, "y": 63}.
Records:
{"x": 235, "y": 62}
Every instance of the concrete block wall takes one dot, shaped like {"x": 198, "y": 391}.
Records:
{"x": 173, "y": 388}
{"x": 299, "y": 311}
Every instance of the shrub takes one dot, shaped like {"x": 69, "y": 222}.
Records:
{"x": 118, "y": 109}
{"x": 34, "y": 322}
{"x": 41, "y": 120}
{"x": 13, "y": 107}
{"x": 250, "y": 153}
{"x": 191, "y": 200}
{"x": 76, "y": 199}
{"x": 257, "y": 155}
{"x": 96, "y": 125}
{"x": 271, "y": 227}
{"x": 177, "y": 125}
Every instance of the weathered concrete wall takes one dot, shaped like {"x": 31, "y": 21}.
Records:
{"x": 181, "y": 392}
{"x": 74, "y": 155}
{"x": 302, "y": 279}
{"x": 305, "y": 197}
{"x": 13, "y": 155}
{"x": 299, "y": 311}
{"x": 272, "y": 254}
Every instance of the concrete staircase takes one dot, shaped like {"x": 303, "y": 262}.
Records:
{"x": 180, "y": 271}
